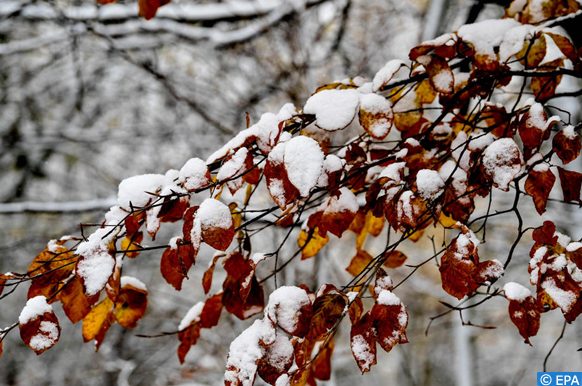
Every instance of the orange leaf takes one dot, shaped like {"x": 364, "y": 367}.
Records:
{"x": 359, "y": 262}
{"x": 76, "y": 303}
{"x": 131, "y": 303}
{"x": 394, "y": 259}
{"x": 327, "y": 309}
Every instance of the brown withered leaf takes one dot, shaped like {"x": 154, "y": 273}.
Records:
{"x": 359, "y": 262}
{"x": 538, "y": 185}
{"x": 571, "y": 182}
{"x": 38, "y": 324}
{"x": 544, "y": 87}
{"x": 356, "y": 309}
{"x": 533, "y": 52}
{"x": 327, "y": 309}
{"x": 176, "y": 262}
{"x": 394, "y": 259}
{"x": 566, "y": 144}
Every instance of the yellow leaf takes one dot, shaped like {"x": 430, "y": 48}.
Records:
{"x": 446, "y": 221}
{"x": 416, "y": 235}
{"x": 131, "y": 248}
{"x": 98, "y": 320}
{"x": 311, "y": 245}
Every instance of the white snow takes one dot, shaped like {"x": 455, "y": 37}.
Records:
{"x": 246, "y": 350}
{"x": 536, "y": 117}
{"x": 562, "y": 238}
{"x": 133, "y": 282}
{"x": 387, "y": 298}
{"x": 233, "y": 166}
{"x": 134, "y": 190}
{"x": 386, "y": 73}
{"x": 574, "y": 246}
{"x": 284, "y": 305}
{"x": 515, "y": 291}
{"x": 443, "y": 81}
{"x": 569, "y": 132}
{"x": 47, "y": 336}
{"x": 192, "y": 316}
{"x": 564, "y": 299}
{"x": 393, "y": 171}
{"x": 304, "y": 163}
{"x": 333, "y": 109}
{"x": 193, "y": 174}
{"x": 499, "y": 161}
{"x": 214, "y": 214}
{"x": 345, "y": 202}
{"x": 96, "y": 264}
{"x": 513, "y": 41}
{"x": 487, "y": 34}
{"x": 429, "y": 183}
{"x": 283, "y": 379}
{"x": 34, "y": 308}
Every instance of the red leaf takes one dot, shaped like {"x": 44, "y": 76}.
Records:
{"x": 148, "y": 8}
{"x": 207, "y": 277}
{"x": 526, "y": 317}
{"x": 216, "y": 224}
{"x": 277, "y": 359}
{"x": 390, "y": 319}
{"x": 363, "y": 343}
{"x": 566, "y": 144}
{"x": 532, "y": 128}
{"x": 173, "y": 209}
{"x": 538, "y": 185}
{"x": 439, "y": 73}
{"x": 38, "y": 324}
{"x": 571, "y": 182}
{"x": 243, "y": 295}
{"x": 176, "y": 262}
{"x": 459, "y": 267}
